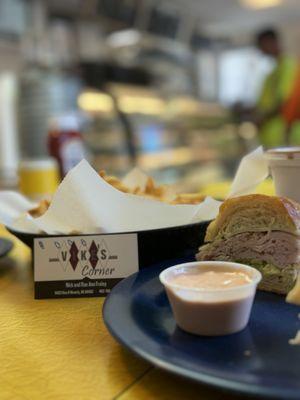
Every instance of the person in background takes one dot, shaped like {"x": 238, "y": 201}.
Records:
{"x": 275, "y": 124}
{"x": 291, "y": 113}
{"x": 276, "y": 90}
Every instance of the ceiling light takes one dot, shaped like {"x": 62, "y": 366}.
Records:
{"x": 129, "y": 37}
{"x": 258, "y": 4}
{"x": 95, "y": 102}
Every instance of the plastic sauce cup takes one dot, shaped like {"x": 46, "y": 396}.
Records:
{"x": 211, "y": 312}
{"x": 284, "y": 164}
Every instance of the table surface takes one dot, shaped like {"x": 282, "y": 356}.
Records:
{"x": 60, "y": 349}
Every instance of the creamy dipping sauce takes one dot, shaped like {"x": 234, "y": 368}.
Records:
{"x": 217, "y": 278}
{"x": 210, "y": 297}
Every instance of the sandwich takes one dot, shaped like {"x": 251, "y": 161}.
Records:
{"x": 261, "y": 231}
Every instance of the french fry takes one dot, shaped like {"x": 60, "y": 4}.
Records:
{"x": 153, "y": 191}
{"x": 188, "y": 198}
{"x": 40, "y": 209}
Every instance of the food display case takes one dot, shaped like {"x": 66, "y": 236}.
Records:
{"x": 175, "y": 139}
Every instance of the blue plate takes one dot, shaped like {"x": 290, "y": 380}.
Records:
{"x": 257, "y": 361}
{"x": 5, "y": 246}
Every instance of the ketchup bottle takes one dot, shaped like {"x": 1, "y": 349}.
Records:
{"x": 65, "y": 142}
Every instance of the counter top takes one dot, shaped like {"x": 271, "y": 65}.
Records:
{"x": 60, "y": 349}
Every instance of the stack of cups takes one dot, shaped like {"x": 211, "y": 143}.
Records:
{"x": 284, "y": 164}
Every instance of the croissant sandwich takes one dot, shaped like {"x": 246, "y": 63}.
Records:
{"x": 262, "y": 231}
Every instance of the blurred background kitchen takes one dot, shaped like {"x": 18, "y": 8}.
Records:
{"x": 179, "y": 88}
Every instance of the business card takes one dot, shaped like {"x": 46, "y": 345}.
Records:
{"x": 82, "y": 266}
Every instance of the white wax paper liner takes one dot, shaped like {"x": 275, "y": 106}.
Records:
{"x": 86, "y": 203}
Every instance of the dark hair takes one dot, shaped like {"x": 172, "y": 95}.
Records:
{"x": 267, "y": 34}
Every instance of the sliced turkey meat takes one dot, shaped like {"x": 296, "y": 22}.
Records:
{"x": 274, "y": 247}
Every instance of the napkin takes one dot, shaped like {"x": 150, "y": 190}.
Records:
{"x": 135, "y": 178}
{"x": 13, "y": 212}
{"x": 253, "y": 169}
{"x": 86, "y": 203}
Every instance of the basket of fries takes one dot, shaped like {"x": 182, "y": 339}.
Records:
{"x": 167, "y": 224}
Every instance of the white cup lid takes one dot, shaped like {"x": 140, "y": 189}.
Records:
{"x": 284, "y": 152}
